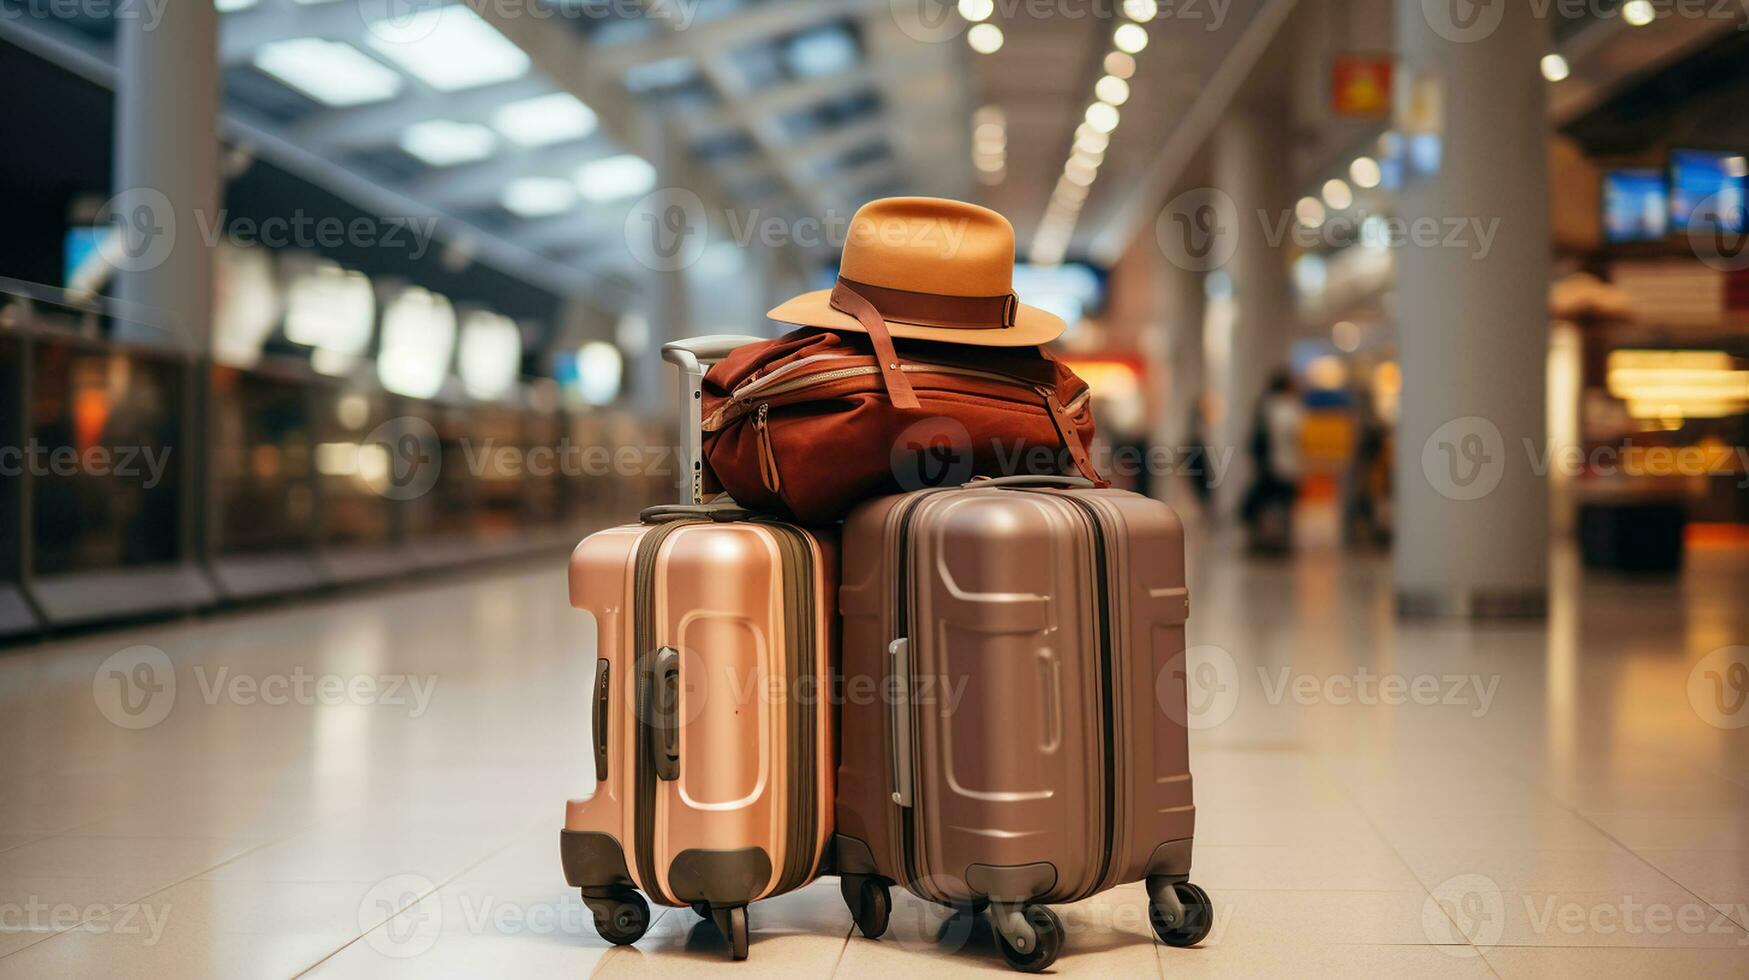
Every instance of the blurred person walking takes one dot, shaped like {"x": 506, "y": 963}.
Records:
{"x": 1267, "y": 509}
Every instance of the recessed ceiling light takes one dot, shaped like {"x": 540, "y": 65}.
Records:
{"x": 1130, "y": 38}
{"x": 1119, "y": 64}
{"x": 1639, "y": 13}
{"x": 1366, "y": 172}
{"x": 1142, "y": 10}
{"x": 977, "y": 10}
{"x": 1310, "y": 211}
{"x": 232, "y": 6}
{"x": 1555, "y": 68}
{"x": 545, "y": 119}
{"x": 1090, "y": 139}
{"x": 1102, "y": 117}
{"x": 1112, "y": 89}
{"x": 449, "y": 48}
{"x": 333, "y": 73}
{"x": 1338, "y": 194}
{"x": 442, "y": 143}
{"x": 615, "y": 178}
{"x": 985, "y": 38}
{"x": 538, "y": 197}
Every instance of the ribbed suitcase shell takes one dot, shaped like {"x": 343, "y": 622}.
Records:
{"x": 1049, "y": 758}
{"x": 749, "y": 814}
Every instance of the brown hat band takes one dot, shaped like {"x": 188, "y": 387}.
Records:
{"x": 935, "y": 309}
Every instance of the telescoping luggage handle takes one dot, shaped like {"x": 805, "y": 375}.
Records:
{"x": 694, "y": 357}
{"x": 1061, "y": 482}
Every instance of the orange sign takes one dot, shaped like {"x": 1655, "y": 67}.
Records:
{"x": 1360, "y": 85}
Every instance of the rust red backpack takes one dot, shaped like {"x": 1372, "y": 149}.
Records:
{"x": 802, "y": 426}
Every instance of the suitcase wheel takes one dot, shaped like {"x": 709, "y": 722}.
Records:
{"x": 1183, "y": 916}
{"x": 622, "y": 919}
{"x": 870, "y": 902}
{"x": 1031, "y": 936}
{"x": 733, "y": 925}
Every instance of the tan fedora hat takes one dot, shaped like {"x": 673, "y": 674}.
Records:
{"x": 931, "y": 269}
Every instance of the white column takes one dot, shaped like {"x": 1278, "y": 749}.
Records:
{"x": 1472, "y": 515}
{"x": 1250, "y": 166}
{"x": 1174, "y": 344}
{"x": 166, "y": 168}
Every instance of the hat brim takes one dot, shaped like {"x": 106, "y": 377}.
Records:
{"x": 1032, "y": 326}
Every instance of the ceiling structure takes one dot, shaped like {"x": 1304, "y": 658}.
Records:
{"x": 533, "y": 126}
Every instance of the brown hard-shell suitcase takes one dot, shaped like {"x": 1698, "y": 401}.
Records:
{"x": 1029, "y": 746}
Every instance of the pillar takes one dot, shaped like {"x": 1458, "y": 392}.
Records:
{"x": 1472, "y": 311}
{"x": 1250, "y": 167}
{"x": 166, "y": 172}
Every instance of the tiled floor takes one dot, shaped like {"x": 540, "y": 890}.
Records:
{"x": 372, "y": 787}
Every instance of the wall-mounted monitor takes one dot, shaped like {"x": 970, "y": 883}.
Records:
{"x": 1708, "y": 186}
{"x": 1636, "y": 206}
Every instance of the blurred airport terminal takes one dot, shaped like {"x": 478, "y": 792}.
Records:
{"x": 328, "y": 328}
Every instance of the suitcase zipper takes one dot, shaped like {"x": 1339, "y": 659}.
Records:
{"x": 1107, "y": 683}
{"x": 801, "y": 628}
{"x": 768, "y": 474}
{"x": 644, "y": 653}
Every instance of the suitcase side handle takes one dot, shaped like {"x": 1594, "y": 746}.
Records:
{"x": 600, "y": 726}
{"x": 667, "y": 713}
{"x": 899, "y": 669}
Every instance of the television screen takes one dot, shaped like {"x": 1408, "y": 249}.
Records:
{"x": 1635, "y": 206}
{"x": 1709, "y": 186}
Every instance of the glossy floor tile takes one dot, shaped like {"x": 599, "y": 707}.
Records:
{"x": 372, "y": 786}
